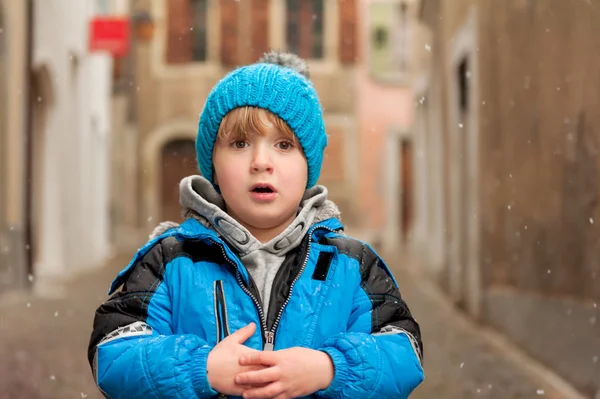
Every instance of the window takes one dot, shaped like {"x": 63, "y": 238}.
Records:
{"x": 403, "y": 37}
{"x": 102, "y": 7}
{"x": 199, "y": 10}
{"x": 2, "y": 34}
{"x": 390, "y": 38}
{"x": 187, "y": 31}
{"x": 3, "y": 69}
{"x": 463, "y": 85}
{"x": 304, "y": 29}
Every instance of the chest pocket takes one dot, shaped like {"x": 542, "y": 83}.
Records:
{"x": 335, "y": 278}
{"x": 322, "y": 267}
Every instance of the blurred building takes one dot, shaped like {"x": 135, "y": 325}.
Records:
{"x": 185, "y": 46}
{"x": 54, "y": 142}
{"x": 14, "y": 26}
{"x": 511, "y": 140}
{"x": 385, "y": 113}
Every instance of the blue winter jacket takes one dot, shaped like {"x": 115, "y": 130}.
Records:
{"x": 186, "y": 290}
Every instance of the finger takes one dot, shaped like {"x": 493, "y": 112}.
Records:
{"x": 242, "y": 335}
{"x": 267, "y": 358}
{"x": 260, "y": 377}
{"x": 248, "y": 387}
{"x": 251, "y": 368}
{"x": 270, "y": 391}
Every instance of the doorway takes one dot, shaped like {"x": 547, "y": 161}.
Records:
{"x": 178, "y": 160}
{"x": 41, "y": 100}
{"x": 406, "y": 188}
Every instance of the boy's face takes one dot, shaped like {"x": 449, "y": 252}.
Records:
{"x": 262, "y": 178}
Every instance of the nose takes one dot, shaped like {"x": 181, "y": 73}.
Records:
{"x": 261, "y": 160}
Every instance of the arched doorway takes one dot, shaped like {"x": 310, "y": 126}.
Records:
{"x": 153, "y": 165}
{"x": 178, "y": 160}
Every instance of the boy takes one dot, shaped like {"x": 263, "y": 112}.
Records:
{"x": 258, "y": 293}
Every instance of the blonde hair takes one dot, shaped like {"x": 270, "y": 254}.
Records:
{"x": 243, "y": 121}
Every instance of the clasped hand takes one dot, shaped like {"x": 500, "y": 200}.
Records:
{"x": 234, "y": 369}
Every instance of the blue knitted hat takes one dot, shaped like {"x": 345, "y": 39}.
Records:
{"x": 278, "y": 83}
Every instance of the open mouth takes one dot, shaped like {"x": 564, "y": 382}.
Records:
{"x": 262, "y": 188}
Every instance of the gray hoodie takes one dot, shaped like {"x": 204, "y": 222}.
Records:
{"x": 201, "y": 201}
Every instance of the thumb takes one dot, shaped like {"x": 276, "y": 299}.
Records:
{"x": 242, "y": 335}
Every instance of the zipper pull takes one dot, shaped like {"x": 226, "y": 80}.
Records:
{"x": 270, "y": 340}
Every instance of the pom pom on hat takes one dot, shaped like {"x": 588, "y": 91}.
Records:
{"x": 285, "y": 59}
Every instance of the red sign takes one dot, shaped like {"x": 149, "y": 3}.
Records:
{"x": 110, "y": 34}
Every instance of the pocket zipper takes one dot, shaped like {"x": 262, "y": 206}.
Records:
{"x": 222, "y": 321}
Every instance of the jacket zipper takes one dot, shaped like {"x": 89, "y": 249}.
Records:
{"x": 238, "y": 277}
{"x": 269, "y": 335}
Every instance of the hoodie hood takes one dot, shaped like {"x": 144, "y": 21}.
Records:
{"x": 201, "y": 201}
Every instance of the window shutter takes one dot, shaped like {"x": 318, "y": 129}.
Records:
{"x": 179, "y": 36}
{"x": 260, "y": 28}
{"x": 229, "y": 33}
{"x": 348, "y": 31}
{"x": 306, "y": 29}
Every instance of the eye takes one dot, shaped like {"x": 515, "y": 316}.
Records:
{"x": 239, "y": 144}
{"x": 285, "y": 145}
